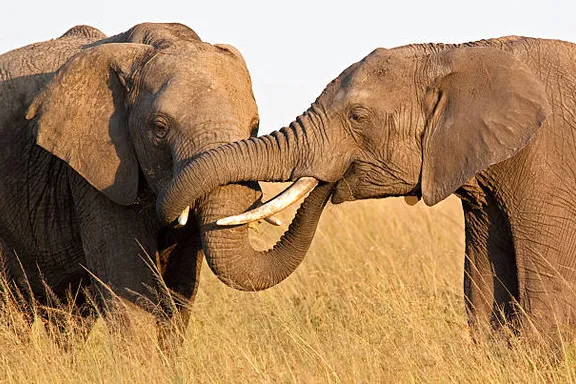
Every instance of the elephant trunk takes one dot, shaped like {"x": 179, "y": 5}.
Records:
{"x": 229, "y": 252}
{"x": 280, "y": 156}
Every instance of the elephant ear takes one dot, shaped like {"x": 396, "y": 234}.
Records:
{"x": 233, "y": 50}
{"x": 484, "y": 108}
{"x": 80, "y": 117}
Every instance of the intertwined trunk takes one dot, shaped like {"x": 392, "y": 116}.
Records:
{"x": 281, "y": 156}
{"x": 229, "y": 252}
{"x": 253, "y": 157}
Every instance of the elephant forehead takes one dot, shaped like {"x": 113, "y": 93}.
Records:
{"x": 204, "y": 101}
{"x": 374, "y": 79}
{"x": 195, "y": 72}
{"x": 351, "y": 95}
{"x": 192, "y": 85}
{"x": 191, "y": 100}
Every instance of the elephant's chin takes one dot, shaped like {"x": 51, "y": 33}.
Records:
{"x": 342, "y": 192}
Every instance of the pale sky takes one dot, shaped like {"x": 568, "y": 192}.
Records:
{"x": 293, "y": 48}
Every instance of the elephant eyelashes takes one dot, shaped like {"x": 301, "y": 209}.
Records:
{"x": 161, "y": 127}
{"x": 358, "y": 115}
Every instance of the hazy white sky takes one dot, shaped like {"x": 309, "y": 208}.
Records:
{"x": 295, "y": 47}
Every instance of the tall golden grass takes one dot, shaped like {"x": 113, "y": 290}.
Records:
{"x": 377, "y": 299}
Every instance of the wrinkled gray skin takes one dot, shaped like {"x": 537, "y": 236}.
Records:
{"x": 93, "y": 130}
{"x": 492, "y": 121}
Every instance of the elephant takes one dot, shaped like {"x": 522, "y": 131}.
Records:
{"x": 493, "y": 122}
{"x": 93, "y": 131}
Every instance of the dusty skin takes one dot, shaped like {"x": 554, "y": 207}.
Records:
{"x": 492, "y": 122}
{"x": 94, "y": 132}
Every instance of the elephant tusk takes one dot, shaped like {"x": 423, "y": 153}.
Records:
{"x": 273, "y": 220}
{"x": 183, "y": 218}
{"x": 411, "y": 200}
{"x": 293, "y": 193}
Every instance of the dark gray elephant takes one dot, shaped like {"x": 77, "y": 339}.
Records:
{"x": 492, "y": 121}
{"x": 93, "y": 130}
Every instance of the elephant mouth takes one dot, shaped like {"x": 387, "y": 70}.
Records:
{"x": 343, "y": 191}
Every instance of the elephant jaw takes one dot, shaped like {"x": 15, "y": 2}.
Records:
{"x": 289, "y": 196}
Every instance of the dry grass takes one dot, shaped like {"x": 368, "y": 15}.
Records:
{"x": 378, "y": 299}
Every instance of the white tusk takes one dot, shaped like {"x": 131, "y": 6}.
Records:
{"x": 293, "y": 193}
{"x": 183, "y": 218}
{"x": 411, "y": 200}
{"x": 273, "y": 220}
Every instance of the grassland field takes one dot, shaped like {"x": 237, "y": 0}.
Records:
{"x": 378, "y": 299}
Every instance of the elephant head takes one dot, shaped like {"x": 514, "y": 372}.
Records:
{"x": 416, "y": 120}
{"x": 128, "y": 114}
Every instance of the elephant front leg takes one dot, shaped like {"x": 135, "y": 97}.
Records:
{"x": 490, "y": 281}
{"x": 120, "y": 244}
{"x": 180, "y": 260}
{"x": 547, "y": 293}
{"x": 478, "y": 288}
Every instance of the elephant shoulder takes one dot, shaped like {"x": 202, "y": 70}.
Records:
{"x": 47, "y": 56}
{"x": 84, "y": 31}
{"x": 26, "y": 70}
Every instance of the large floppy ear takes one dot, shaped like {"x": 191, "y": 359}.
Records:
{"x": 484, "y": 108}
{"x": 233, "y": 50}
{"x": 80, "y": 117}
{"x": 230, "y": 49}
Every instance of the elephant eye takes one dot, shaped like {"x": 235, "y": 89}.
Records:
{"x": 161, "y": 131}
{"x": 161, "y": 127}
{"x": 358, "y": 114}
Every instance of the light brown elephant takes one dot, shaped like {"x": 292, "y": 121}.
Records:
{"x": 93, "y": 130}
{"x": 492, "y": 121}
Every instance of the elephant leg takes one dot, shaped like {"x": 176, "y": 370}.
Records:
{"x": 18, "y": 304}
{"x": 547, "y": 294}
{"x": 490, "y": 280}
{"x": 544, "y": 234}
{"x": 120, "y": 245}
{"x": 478, "y": 287}
{"x": 181, "y": 258}
{"x": 70, "y": 322}
{"x": 65, "y": 311}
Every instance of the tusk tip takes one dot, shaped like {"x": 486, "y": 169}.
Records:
{"x": 183, "y": 218}
{"x": 273, "y": 220}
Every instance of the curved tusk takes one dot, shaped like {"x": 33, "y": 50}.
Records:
{"x": 293, "y": 193}
{"x": 411, "y": 200}
{"x": 183, "y": 218}
{"x": 273, "y": 220}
